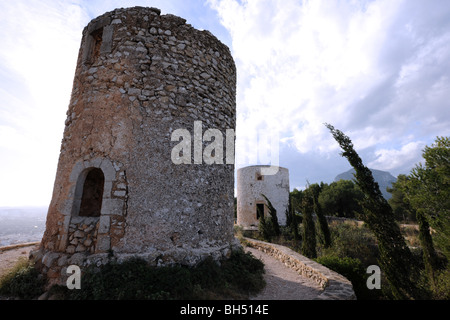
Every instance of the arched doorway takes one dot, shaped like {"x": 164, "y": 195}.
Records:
{"x": 91, "y": 200}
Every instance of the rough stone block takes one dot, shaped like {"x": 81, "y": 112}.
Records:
{"x": 103, "y": 243}
{"x": 112, "y": 207}
{"x": 105, "y": 223}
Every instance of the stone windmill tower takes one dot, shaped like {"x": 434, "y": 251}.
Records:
{"x": 140, "y": 76}
{"x": 252, "y": 184}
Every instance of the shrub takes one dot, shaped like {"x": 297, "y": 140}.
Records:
{"x": 23, "y": 281}
{"x": 244, "y": 272}
{"x": 265, "y": 229}
{"x": 353, "y": 241}
{"x": 441, "y": 288}
{"x": 348, "y": 267}
{"x": 353, "y": 270}
{"x": 236, "y": 277}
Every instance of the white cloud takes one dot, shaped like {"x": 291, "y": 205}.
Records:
{"x": 374, "y": 69}
{"x": 40, "y": 41}
{"x": 40, "y": 44}
{"x": 378, "y": 70}
{"x": 395, "y": 159}
{"x": 40, "y": 47}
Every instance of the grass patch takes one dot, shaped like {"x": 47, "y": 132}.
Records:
{"x": 235, "y": 278}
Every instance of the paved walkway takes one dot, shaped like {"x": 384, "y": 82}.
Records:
{"x": 283, "y": 283}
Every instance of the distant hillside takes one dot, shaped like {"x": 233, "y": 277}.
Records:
{"x": 383, "y": 178}
{"x": 21, "y": 224}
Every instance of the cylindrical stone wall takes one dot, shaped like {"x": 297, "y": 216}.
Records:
{"x": 251, "y": 185}
{"x": 140, "y": 76}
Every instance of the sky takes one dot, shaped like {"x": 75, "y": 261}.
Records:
{"x": 377, "y": 70}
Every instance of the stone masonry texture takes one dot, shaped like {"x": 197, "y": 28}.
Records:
{"x": 140, "y": 76}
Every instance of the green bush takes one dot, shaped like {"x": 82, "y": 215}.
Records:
{"x": 354, "y": 271}
{"x": 352, "y": 241}
{"x": 23, "y": 281}
{"x": 236, "y": 277}
{"x": 244, "y": 272}
{"x": 266, "y": 229}
{"x": 132, "y": 279}
{"x": 441, "y": 288}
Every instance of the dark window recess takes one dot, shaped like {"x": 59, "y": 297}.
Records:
{"x": 97, "y": 35}
{"x": 259, "y": 210}
{"x": 91, "y": 201}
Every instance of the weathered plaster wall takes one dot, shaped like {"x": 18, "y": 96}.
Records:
{"x": 249, "y": 190}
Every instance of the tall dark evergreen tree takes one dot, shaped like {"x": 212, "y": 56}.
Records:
{"x": 395, "y": 259}
{"x": 399, "y": 202}
{"x": 265, "y": 226}
{"x": 430, "y": 257}
{"x": 273, "y": 217}
{"x": 323, "y": 224}
{"x": 427, "y": 192}
{"x": 309, "y": 229}
{"x": 291, "y": 220}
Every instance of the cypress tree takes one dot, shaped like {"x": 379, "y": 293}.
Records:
{"x": 291, "y": 220}
{"x": 395, "y": 257}
{"x": 323, "y": 224}
{"x": 430, "y": 258}
{"x": 309, "y": 229}
{"x": 264, "y": 227}
{"x": 273, "y": 217}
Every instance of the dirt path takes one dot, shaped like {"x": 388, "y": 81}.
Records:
{"x": 283, "y": 283}
{"x": 11, "y": 254}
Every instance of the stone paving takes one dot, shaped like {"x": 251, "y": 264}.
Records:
{"x": 334, "y": 286}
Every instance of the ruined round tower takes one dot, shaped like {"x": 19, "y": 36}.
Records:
{"x": 252, "y": 184}
{"x": 118, "y": 192}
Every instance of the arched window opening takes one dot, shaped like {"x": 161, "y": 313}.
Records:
{"x": 97, "y": 36}
{"x": 91, "y": 200}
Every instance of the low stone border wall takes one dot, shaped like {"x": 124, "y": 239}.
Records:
{"x": 335, "y": 286}
{"x": 19, "y": 245}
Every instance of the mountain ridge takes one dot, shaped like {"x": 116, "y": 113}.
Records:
{"x": 383, "y": 178}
